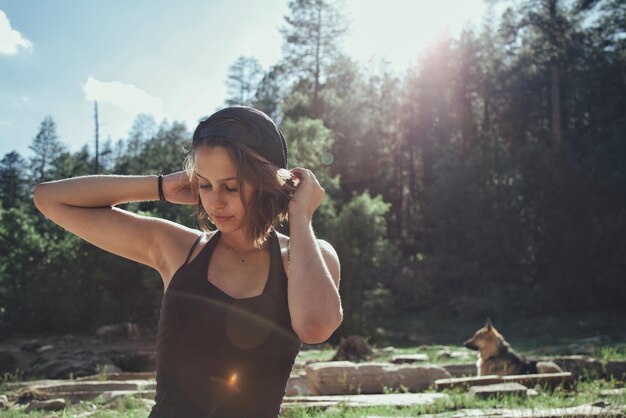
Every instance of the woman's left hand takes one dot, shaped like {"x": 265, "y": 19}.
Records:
{"x": 308, "y": 195}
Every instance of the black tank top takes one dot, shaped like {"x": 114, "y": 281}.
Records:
{"x": 218, "y": 356}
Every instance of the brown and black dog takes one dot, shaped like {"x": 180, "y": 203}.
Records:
{"x": 495, "y": 355}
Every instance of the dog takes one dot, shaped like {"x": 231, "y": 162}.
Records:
{"x": 496, "y": 357}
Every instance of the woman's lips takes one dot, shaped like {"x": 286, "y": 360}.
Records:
{"x": 221, "y": 218}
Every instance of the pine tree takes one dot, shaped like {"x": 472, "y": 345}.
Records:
{"x": 244, "y": 76}
{"x": 46, "y": 147}
{"x": 311, "y": 41}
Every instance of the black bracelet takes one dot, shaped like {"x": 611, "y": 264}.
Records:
{"x": 161, "y": 195}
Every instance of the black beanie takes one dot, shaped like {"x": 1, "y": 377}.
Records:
{"x": 263, "y": 136}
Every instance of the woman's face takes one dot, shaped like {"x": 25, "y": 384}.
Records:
{"x": 218, "y": 188}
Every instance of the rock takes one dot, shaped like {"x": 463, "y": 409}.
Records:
{"x": 387, "y": 350}
{"x": 298, "y": 385}
{"x": 50, "y": 405}
{"x": 544, "y": 367}
{"x": 353, "y": 348}
{"x": 137, "y": 361}
{"x": 410, "y": 358}
{"x": 31, "y": 346}
{"x": 498, "y": 390}
{"x": 4, "y": 402}
{"x": 615, "y": 369}
{"x": 461, "y": 370}
{"x": 128, "y": 330}
{"x": 339, "y": 378}
{"x": 580, "y": 366}
{"x": 532, "y": 393}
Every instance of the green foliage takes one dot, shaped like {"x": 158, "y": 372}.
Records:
{"x": 13, "y": 186}
{"x": 309, "y": 142}
{"x": 359, "y": 235}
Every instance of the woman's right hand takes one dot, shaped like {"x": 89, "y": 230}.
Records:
{"x": 177, "y": 188}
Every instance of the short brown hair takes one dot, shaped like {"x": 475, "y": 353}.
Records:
{"x": 272, "y": 188}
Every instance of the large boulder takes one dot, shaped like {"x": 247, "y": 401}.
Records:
{"x": 344, "y": 377}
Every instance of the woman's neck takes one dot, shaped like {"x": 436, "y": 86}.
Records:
{"x": 238, "y": 244}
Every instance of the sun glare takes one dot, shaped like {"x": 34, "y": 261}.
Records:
{"x": 398, "y": 30}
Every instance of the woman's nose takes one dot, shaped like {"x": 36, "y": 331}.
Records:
{"x": 216, "y": 199}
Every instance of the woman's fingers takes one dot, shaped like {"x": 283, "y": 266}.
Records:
{"x": 309, "y": 193}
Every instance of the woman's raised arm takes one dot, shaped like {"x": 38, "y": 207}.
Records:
{"x": 85, "y": 206}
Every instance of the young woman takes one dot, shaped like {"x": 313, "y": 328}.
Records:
{"x": 239, "y": 300}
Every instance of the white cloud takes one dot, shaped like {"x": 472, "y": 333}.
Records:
{"x": 126, "y": 96}
{"x": 10, "y": 39}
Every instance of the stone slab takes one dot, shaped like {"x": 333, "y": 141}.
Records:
{"x": 498, "y": 390}
{"x": 545, "y": 379}
{"x": 94, "y": 386}
{"x": 120, "y": 376}
{"x": 354, "y": 401}
{"x": 581, "y": 411}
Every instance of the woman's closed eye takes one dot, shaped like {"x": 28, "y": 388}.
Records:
{"x": 208, "y": 187}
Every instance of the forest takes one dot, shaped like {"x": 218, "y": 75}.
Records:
{"x": 488, "y": 179}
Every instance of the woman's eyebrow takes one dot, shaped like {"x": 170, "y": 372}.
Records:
{"x": 219, "y": 181}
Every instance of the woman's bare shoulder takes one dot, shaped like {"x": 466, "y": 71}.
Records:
{"x": 176, "y": 246}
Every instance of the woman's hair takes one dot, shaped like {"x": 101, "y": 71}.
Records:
{"x": 272, "y": 187}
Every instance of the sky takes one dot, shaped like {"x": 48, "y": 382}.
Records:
{"x": 170, "y": 59}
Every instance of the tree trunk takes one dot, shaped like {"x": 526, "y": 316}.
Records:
{"x": 555, "y": 79}
{"x": 315, "y": 105}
